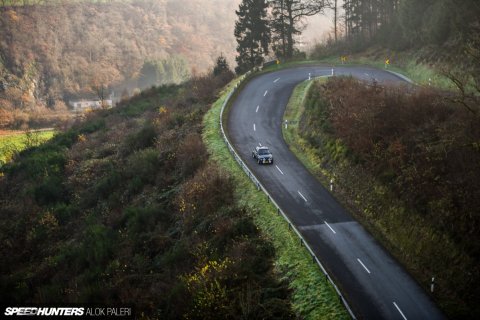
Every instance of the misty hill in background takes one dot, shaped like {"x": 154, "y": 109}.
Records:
{"x": 55, "y": 52}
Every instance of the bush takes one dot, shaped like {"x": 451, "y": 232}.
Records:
{"x": 49, "y": 191}
{"x": 93, "y": 125}
{"x": 140, "y": 140}
{"x": 191, "y": 155}
{"x": 208, "y": 191}
{"x": 107, "y": 185}
{"x": 140, "y": 220}
{"x": 142, "y": 166}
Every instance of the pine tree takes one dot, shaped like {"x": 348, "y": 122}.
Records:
{"x": 280, "y": 28}
{"x": 221, "y": 66}
{"x": 252, "y": 34}
{"x": 287, "y": 17}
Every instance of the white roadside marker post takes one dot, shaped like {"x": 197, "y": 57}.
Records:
{"x": 432, "y": 286}
{"x": 286, "y": 123}
{"x": 331, "y": 184}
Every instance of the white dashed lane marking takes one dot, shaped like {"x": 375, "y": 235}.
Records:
{"x": 301, "y": 195}
{"x": 254, "y": 128}
{"x": 329, "y": 227}
{"x": 405, "y": 318}
{"x": 265, "y": 93}
{"x": 258, "y": 107}
{"x": 360, "y": 261}
{"x": 276, "y": 80}
{"x": 279, "y": 170}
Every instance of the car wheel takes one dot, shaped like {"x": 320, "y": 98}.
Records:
{"x": 258, "y": 161}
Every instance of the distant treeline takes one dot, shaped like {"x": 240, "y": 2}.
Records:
{"x": 6, "y": 3}
{"x": 402, "y": 24}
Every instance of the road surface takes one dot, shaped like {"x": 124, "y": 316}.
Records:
{"x": 374, "y": 284}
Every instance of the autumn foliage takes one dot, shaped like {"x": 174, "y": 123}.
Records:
{"x": 403, "y": 156}
{"x": 56, "y": 51}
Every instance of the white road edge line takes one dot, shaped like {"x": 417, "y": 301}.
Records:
{"x": 279, "y": 170}
{"x": 254, "y": 128}
{"x": 360, "y": 261}
{"x": 399, "y": 310}
{"x": 330, "y": 227}
{"x": 259, "y": 144}
{"x": 276, "y": 80}
{"x": 266, "y": 91}
{"x": 301, "y": 195}
{"x": 257, "y": 108}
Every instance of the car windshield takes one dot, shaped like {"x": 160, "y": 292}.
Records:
{"x": 263, "y": 152}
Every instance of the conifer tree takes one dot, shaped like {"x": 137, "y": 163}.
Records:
{"x": 221, "y": 66}
{"x": 252, "y": 34}
{"x": 287, "y": 17}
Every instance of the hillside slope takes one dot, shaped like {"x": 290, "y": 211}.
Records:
{"x": 126, "y": 208}
{"x": 46, "y": 58}
{"x": 405, "y": 161}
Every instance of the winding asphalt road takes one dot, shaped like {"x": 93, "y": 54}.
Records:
{"x": 374, "y": 284}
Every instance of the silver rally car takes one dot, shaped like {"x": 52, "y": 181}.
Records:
{"x": 262, "y": 155}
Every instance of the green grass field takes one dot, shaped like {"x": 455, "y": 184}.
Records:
{"x": 10, "y": 144}
{"x": 313, "y": 297}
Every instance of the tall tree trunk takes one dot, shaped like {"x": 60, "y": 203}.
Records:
{"x": 290, "y": 36}
{"x": 335, "y": 20}
{"x": 284, "y": 40}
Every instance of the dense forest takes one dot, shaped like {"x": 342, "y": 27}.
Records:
{"x": 47, "y": 59}
{"x": 442, "y": 28}
{"x": 127, "y": 208}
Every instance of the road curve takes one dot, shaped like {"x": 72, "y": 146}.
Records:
{"x": 374, "y": 284}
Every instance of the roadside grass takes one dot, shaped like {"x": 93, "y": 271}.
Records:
{"x": 295, "y": 142}
{"x": 313, "y": 297}
{"x": 10, "y": 144}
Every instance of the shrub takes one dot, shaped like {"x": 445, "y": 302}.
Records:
{"x": 208, "y": 191}
{"x": 191, "y": 155}
{"x": 140, "y": 140}
{"x": 142, "y": 166}
{"x": 139, "y": 220}
{"x": 50, "y": 191}
{"x": 93, "y": 125}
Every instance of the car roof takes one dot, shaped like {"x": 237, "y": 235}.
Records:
{"x": 262, "y": 147}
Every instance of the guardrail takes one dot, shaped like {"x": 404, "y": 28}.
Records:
{"x": 259, "y": 186}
